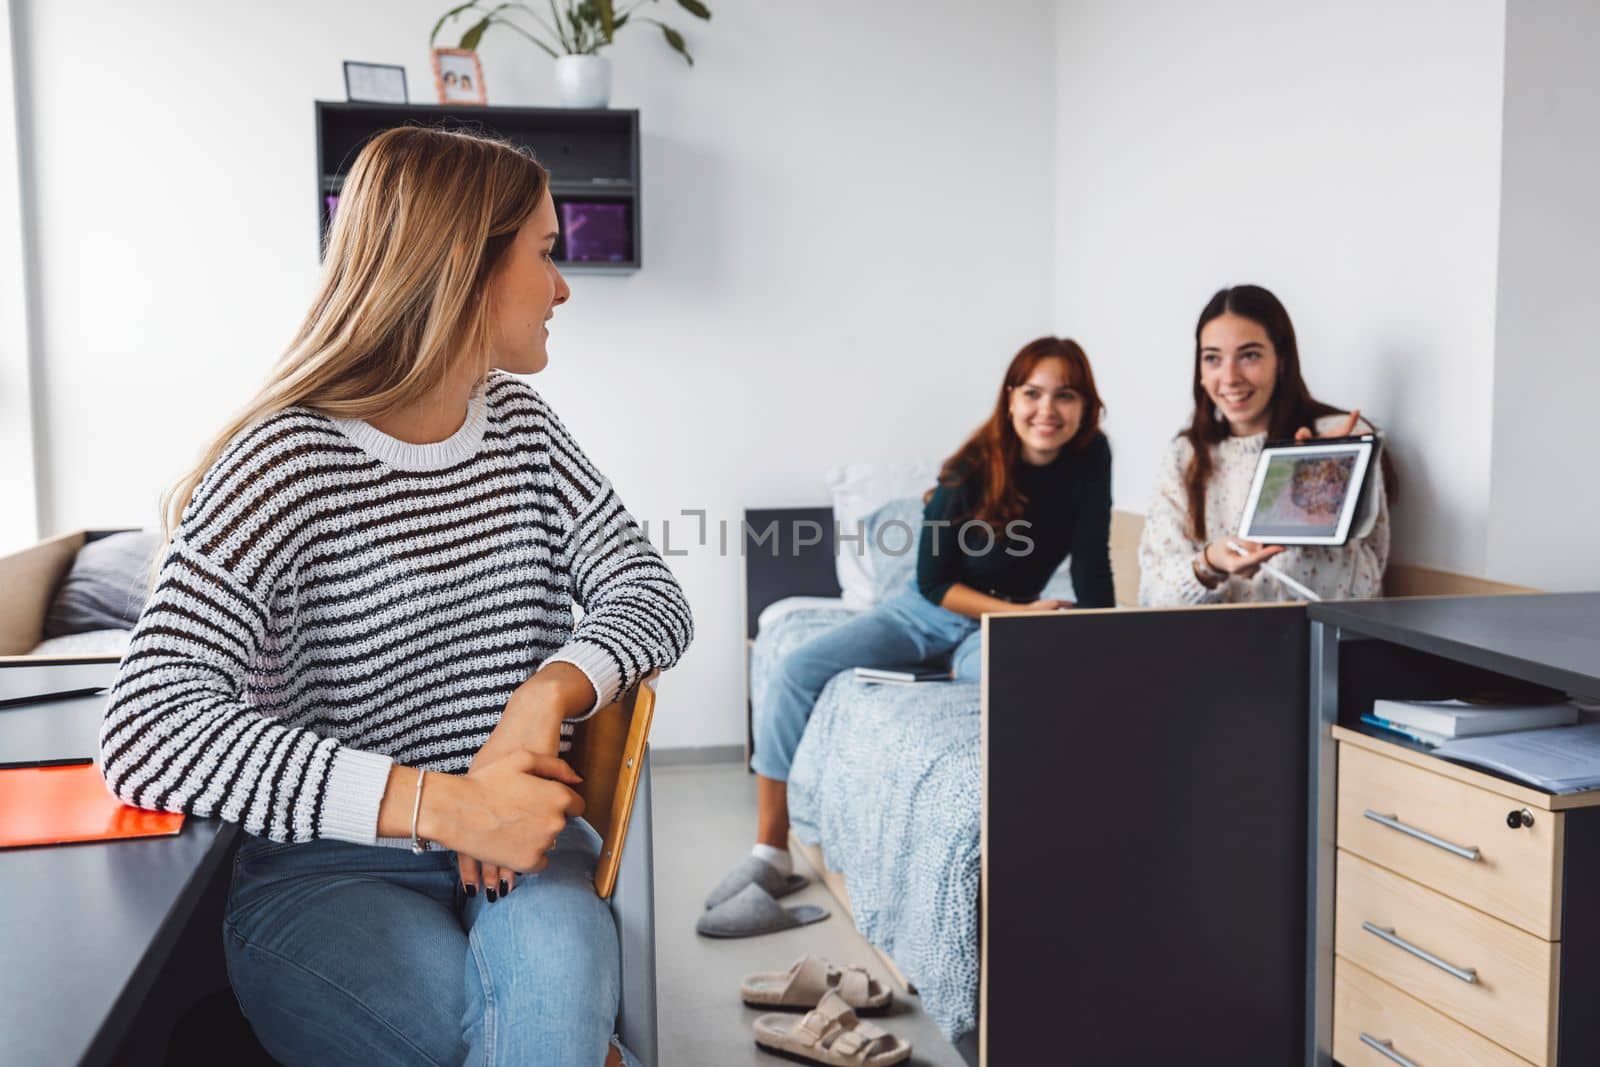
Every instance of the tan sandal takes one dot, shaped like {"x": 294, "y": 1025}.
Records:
{"x": 831, "y": 1035}
{"x": 801, "y": 987}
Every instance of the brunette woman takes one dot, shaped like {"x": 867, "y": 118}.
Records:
{"x": 1248, "y": 389}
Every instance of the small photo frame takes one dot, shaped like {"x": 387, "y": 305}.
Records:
{"x": 597, "y": 231}
{"x": 458, "y": 76}
{"x": 375, "y": 83}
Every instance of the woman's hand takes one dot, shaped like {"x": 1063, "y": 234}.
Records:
{"x": 508, "y": 812}
{"x": 531, "y": 723}
{"x": 1305, "y": 433}
{"x": 1047, "y": 605}
{"x": 1238, "y": 557}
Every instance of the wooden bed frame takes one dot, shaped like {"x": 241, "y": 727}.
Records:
{"x": 785, "y": 556}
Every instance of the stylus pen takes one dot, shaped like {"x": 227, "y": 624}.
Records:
{"x": 28, "y": 764}
{"x": 1288, "y": 582}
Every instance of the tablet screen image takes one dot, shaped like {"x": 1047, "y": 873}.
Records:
{"x": 1306, "y": 494}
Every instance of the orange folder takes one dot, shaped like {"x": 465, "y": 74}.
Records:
{"x": 57, "y": 805}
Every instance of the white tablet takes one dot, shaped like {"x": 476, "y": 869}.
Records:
{"x": 1307, "y": 493}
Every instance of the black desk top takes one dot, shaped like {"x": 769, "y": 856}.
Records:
{"x": 87, "y": 927}
{"x": 1552, "y": 639}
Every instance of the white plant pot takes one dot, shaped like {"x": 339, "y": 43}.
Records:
{"x": 583, "y": 81}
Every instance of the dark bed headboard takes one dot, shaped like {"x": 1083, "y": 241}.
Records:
{"x": 778, "y": 561}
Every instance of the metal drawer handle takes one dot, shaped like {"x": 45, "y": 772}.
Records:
{"x": 1422, "y": 835}
{"x": 1386, "y": 1049}
{"x": 1466, "y": 974}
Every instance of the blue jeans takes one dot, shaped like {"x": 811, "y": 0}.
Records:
{"x": 351, "y": 954}
{"x": 904, "y": 631}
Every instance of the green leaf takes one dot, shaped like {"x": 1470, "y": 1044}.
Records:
{"x": 695, "y": 8}
{"x": 675, "y": 39}
{"x": 470, "y": 39}
{"x": 608, "y": 19}
{"x": 621, "y": 22}
{"x": 446, "y": 17}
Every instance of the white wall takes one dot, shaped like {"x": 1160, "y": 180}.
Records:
{"x": 843, "y": 237}
{"x": 18, "y": 510}
{"x": 1545, "y": 514}
{"x": 1347, "y": 157}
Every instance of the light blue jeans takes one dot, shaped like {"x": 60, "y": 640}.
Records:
{"x": 351, "y": 954}
{"x": 906, "y": 630}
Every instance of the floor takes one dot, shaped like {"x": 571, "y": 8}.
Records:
{"x": 704, "y": 817}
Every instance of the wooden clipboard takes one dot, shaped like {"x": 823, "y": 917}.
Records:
{"x": 608, "y": 751}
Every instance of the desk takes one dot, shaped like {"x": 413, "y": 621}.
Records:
{"x": 88, "y": 927}
{"x": 1520, "y": 892}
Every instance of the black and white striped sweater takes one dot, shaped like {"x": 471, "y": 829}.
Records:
{"x": 336, "y": 600}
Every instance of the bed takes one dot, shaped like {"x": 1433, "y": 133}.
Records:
{"x": 898, "y": 821}
{"x": 897, "y": 824}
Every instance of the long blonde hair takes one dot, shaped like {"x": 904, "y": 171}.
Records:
{"x": 423, "y": 218}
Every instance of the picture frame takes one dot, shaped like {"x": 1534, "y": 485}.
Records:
{"x": 458, "y": 77}
{"x": 375, "y": 83}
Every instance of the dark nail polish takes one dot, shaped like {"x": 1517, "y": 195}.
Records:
{"x": 490, "y": 893}
{"x": 471, "y": 889}
{"x": 504, "y": 888}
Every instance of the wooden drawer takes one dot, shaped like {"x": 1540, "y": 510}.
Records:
{"x": 1517, "y": 875}
{"x": 1366, "y": 1005}
{"x": 1512, "y": 1000}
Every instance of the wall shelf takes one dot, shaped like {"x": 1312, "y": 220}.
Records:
{"x": 592, "y": 156}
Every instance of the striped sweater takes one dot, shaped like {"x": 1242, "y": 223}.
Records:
{"x": 335, "y": 601}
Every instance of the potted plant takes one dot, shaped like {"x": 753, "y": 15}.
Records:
{"x": 572, "y": 33}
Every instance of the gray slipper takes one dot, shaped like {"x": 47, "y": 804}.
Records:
{"x": 755, "y": 871}
{"x": 752, "y": 911}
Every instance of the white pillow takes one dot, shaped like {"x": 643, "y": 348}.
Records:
{"x": 859, "y": 489}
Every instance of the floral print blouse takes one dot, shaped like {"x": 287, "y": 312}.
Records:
{"x": 1166, "y": 551}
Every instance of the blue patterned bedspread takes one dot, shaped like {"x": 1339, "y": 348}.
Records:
{"x": 888, "y": 779}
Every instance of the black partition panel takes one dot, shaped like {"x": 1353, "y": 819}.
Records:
{"x": 787, "y": 552}
{"x": 1146, "y": 837}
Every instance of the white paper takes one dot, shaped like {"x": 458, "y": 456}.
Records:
{"x": 1562, "y": 759}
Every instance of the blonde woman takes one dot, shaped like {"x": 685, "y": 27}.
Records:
{"x": 362, "y": 636}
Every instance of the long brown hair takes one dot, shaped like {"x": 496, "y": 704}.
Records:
{"x": 990, "y": 454}
{"x": 423, "y": 218}
{"x": 1292, "y": 405}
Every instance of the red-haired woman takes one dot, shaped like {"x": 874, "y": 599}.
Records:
{"x": 1030, "y": 488}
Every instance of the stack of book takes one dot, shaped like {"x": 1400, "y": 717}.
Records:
{"x": 1433, "y": 722}
{"x": 1537, "y": 744}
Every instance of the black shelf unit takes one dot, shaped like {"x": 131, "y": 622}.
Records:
{"x": 592, "y": 155}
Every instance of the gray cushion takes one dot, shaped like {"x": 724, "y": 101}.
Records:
{"x": 892, "y": 533}
{"x": 106, "y": 587}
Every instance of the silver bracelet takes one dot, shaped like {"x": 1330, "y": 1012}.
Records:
{"x": 418, "y": 845}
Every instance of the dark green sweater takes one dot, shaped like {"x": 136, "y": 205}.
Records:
{"x": 1068, "y": 508}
